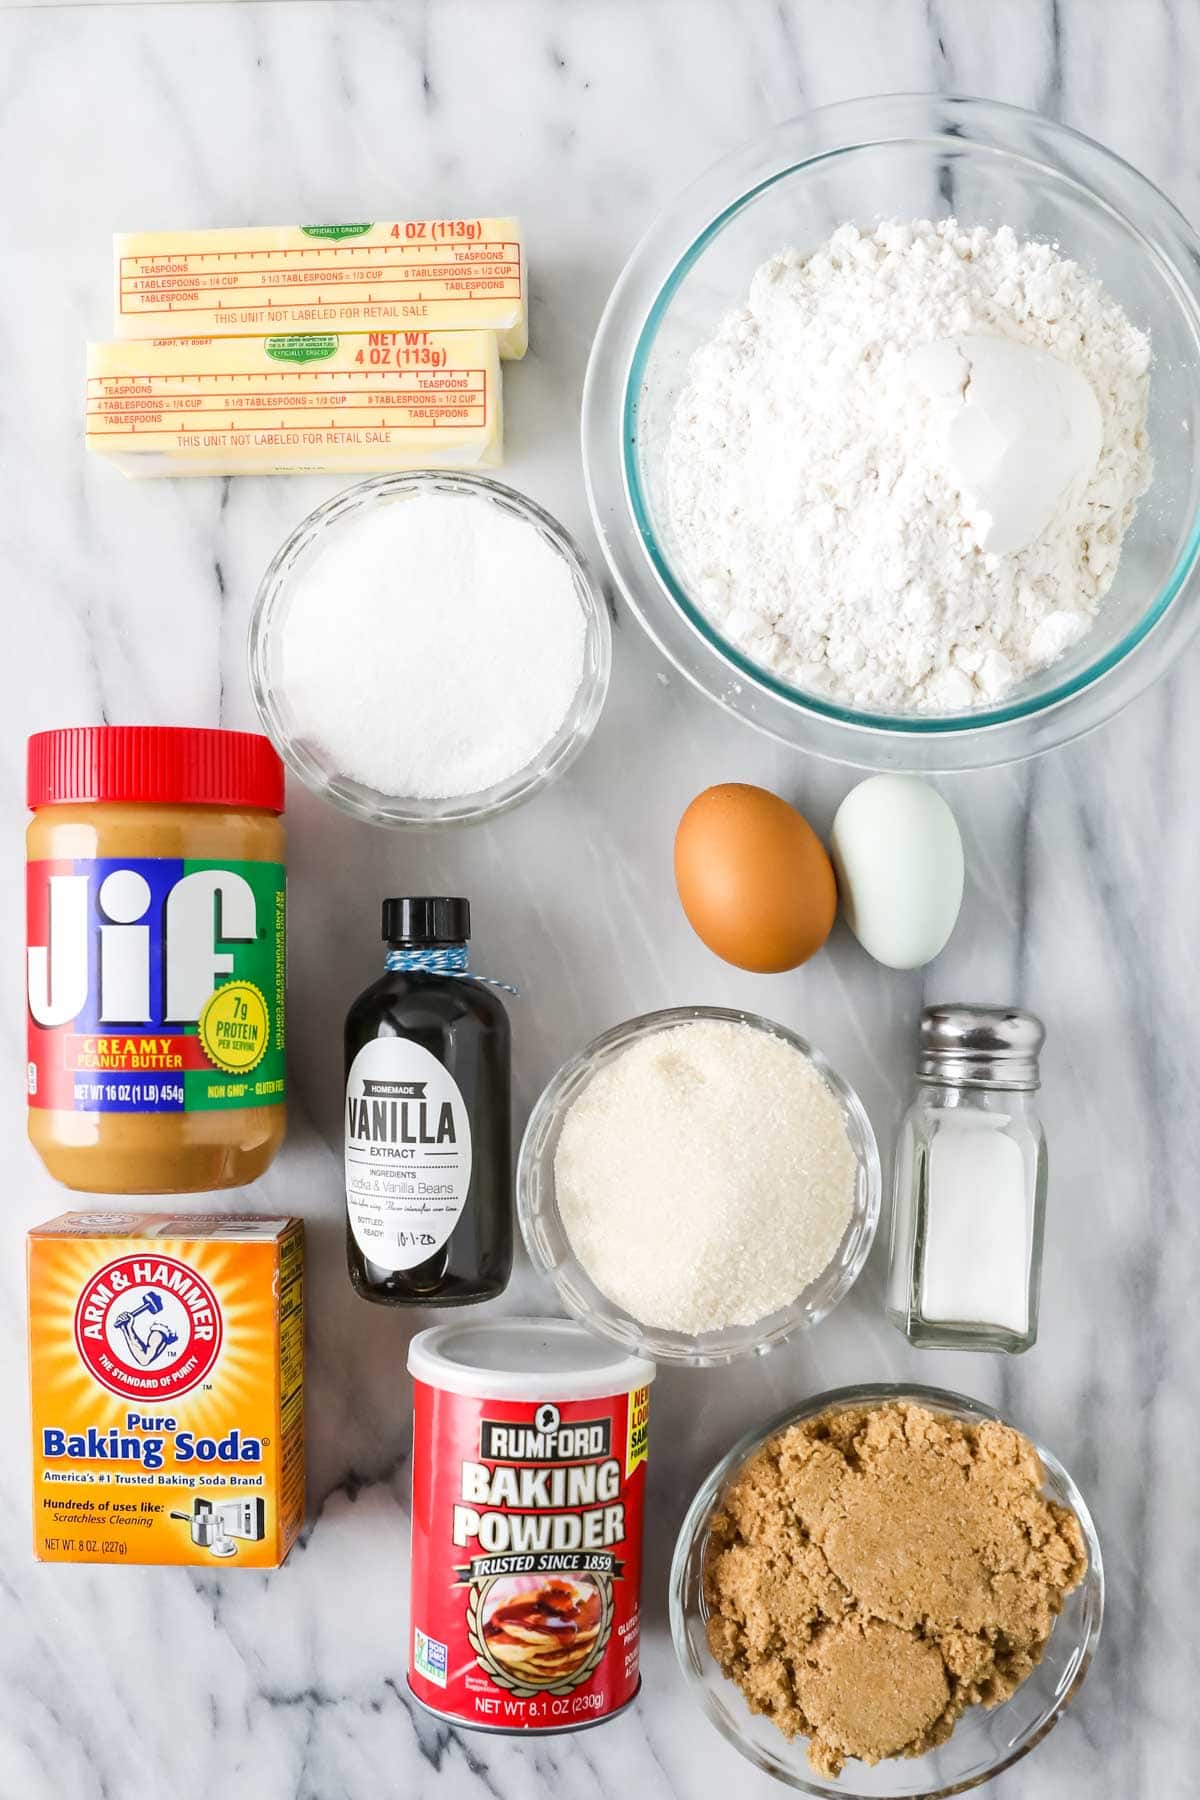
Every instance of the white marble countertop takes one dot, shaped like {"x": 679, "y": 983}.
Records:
{"x": 129, "y": 602}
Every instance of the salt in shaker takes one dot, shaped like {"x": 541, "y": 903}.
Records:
{"x": 969, "y": 1195}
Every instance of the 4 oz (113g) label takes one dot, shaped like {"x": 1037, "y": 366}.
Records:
{"x": 408, "y": 1153}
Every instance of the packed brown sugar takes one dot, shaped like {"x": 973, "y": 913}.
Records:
{"x": 874, "y": 1572}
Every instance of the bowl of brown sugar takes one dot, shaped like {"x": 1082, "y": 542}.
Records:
{"x": 887, "y": 1594}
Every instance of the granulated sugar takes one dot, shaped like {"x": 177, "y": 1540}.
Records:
{"x": 704, "y": 1177}
{"x": 433, "y": 647}
{"x": 813, "y": 512}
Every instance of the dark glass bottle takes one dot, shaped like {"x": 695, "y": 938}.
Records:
{"x": 428, "y": 1119}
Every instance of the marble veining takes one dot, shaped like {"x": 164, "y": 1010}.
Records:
{"x": 129, "y": 602}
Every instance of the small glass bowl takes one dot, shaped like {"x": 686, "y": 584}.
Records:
{"x": 268, "y": 625}
{"x": 550, "y": 1249}
{"x": 984, "y": 1742}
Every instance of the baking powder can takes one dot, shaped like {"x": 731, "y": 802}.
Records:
{"x": 529, "y": 1482}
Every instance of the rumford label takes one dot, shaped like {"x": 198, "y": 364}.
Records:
{"x": 526, "y": 1557}
{"x": 155, "y": 984}
{"x": 166, "y": 1376}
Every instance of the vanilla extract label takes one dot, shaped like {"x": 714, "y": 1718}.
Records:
{"x": 399, "y": 1112}
{"x": 407, "y": 1153}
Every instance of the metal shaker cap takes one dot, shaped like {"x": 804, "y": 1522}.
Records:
{"x": 981, "y": 1046}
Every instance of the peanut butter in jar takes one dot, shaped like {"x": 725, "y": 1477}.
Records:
{"x": 156, "y": 957}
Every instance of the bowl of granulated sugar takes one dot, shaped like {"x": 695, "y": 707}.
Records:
{"x": 699, "y": 1184}
{"x": 429, "y": 649}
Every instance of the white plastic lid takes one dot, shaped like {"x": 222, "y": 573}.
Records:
{"x": 519, "y": 1359}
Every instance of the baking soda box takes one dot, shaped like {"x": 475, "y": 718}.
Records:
{"x": 166, "y": 1368}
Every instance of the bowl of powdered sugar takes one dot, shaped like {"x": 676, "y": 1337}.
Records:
{"x": 429, "y": 649}
{"x": 699, "y": 1184}
{"x": 890, "y": 432}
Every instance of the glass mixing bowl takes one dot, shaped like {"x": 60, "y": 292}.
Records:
{"x": 984, "y": 1742}
{"x": 905, "y": 156}
{"x": 308, "y": 760}
{"x": 550, "y": 1249}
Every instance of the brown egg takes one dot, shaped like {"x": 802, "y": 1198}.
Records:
{"x": 754, "y": 878}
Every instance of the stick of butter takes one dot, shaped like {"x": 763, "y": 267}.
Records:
{"x": 316, "y": 402}
{"x": 439, "y": 274}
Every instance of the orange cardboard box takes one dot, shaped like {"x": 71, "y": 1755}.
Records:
{"x": 166, "y": 1367}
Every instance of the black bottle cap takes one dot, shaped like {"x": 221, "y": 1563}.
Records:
{"x": 426, "y": 919}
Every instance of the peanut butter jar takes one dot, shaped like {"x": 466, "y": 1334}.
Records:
{"x": 155, "y": 960}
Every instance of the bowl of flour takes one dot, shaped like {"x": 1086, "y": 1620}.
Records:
{"x": 890, "y": 432}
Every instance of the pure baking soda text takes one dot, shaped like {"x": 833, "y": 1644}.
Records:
{"x": 167, "y": 1385}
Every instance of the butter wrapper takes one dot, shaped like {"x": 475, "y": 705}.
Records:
{"x": 313, "y": 402}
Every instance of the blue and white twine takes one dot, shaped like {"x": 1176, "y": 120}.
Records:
{"x": 440, "y": 959}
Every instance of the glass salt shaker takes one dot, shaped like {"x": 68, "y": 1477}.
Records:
{"x": 969, "y": 1196}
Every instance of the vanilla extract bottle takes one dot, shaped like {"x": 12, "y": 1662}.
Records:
{"x": 428, "y": 1127}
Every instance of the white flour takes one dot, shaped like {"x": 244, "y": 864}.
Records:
{"x": 810, "y": 505}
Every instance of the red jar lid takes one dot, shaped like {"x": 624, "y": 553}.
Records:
{"x": 158, "y": 765}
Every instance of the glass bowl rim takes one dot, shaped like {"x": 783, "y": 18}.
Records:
{"x": 982, "y": 736}
{"x": 694, "y": 1528}
{"x": 677, "y": 1348}
{"x": 578, "y": 722}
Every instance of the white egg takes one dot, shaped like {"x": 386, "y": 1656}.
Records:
{"x": 899, "y": 860}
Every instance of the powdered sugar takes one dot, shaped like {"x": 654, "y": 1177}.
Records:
{"x": 433, "y": 647}
{"x": 810, "y": 504}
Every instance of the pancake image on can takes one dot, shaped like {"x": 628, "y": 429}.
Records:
{"x": 547, "y": 1633}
